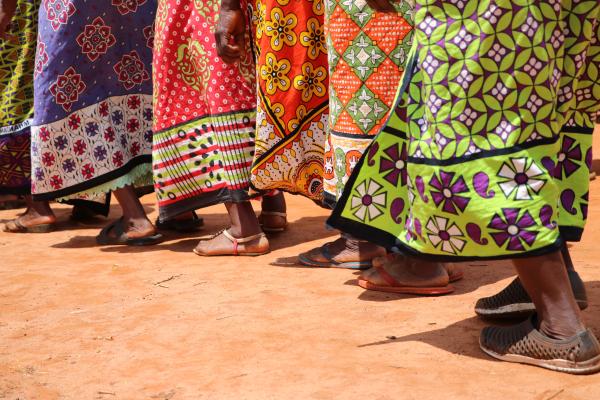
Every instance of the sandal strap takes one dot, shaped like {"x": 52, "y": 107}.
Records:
{"x": 274, "y": 214}
{"x": 237, "y": 241}
{"x": 244, "y": 239}
{"x": 19, "y": 225}
{"x": 389, "y": 279}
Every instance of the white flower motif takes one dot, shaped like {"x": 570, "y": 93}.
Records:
{"x": 448, "y": 235}
{"x": 522, "y": 178}
{"x": 367, "y": 200}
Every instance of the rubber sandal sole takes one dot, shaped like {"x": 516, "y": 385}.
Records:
{"x": 423, "y": 291}
{"x": 43, "y": 228}
{"x": 230, "y": 255}
{"x": 580, "y": 368}
{"x": 145, "y": 241}
{"x": 138, "y": 242}
{"x": 516, "y": 311}
{"x": 360, "y": 265}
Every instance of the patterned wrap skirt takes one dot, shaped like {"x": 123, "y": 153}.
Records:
{"x": 367, "y": 54}
{"x": 205, "y": 112}
{"x": 17, "y": 60}
{"x": 488, "y": 153}
{"x": 292, "y": 109}
{"x": 92, "y": 128}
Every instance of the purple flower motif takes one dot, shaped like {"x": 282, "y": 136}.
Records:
{"x": 39, "y": 173}
{"x": 148, "y": 136}
{"x": 100, "y": 153}
{"x": 447, "y": 190}
{"x": 117, "y": 117}
{"x": 513, "y": 229}
{"x": 68, "y": 165}
{"x": 568, "y": 160}
{"x": 395, "y": 166}
{"x": 60, "y": 142}
{"x": 148, "y": 114}
{"x": 91, "y": 128}
{"x": 446, "y": 235}
{"x": 123, "y": 139}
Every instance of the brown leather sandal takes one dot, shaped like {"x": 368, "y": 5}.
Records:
{"x": 247, "y": 250}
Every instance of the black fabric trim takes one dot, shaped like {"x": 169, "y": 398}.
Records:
{"x": 191, "y": 121}
{"x": 97, "y": 181}
{"x": 483, "y": 154}
{"x": 571, "y": 233}
{"x": 577, "y": 129}
{"x": 205, "y": 200}
{"x": 384, "y": 239}
{"x": 394, "y": 132}
{"x": 351, "y": 135}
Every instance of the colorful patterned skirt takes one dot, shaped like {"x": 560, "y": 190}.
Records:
{"x": 292, "y": 96}
{"x": 93, "y": 97}
{"x": 367, "y": 53}
{"x": 488, "y": 154}
{"x": 205, "y": 112}
{"x": 17, "y": 59}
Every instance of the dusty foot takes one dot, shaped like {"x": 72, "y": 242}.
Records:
{"x": 406, "y": 271}
{"x": 345, "y": 250}
{"x": 221, "y": 245}
{"x": 29, "y": 219}
{"x": 135, "y": 228}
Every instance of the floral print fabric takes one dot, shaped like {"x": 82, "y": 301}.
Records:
{"x": 93, "y": 97}
{"x": 17, "y": 54}
{"x": 488, "y": 154}
{"x": 292, "y": 107}
{"x": 367, "y": 53}
{"x": 205, "y": 112}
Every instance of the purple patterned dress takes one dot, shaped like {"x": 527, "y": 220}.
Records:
{"x": 92, "y": 128}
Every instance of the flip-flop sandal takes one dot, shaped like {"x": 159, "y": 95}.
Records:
{"x": 523, "y": 343}
{"x": 20, "y": 228}
{"x": 331, "y": 263}
{"x": 121, "y": 238}
{"x": 395, "y": 287}
{"x": 454, "y": 274}
{"x": 181, "y": 225}
{"x": 273, "y": 228}
{"x": 236, "y": 243}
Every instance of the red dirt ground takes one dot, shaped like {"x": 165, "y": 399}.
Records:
{"x": 82, "y": 322}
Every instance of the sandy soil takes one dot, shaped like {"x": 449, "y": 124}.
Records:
{"x": 82, "y": 322}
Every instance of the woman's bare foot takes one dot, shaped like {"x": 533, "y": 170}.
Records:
{"x": 345, "y": 252}
{"x": 135, "y": 228}
{"x": 225, "y": 244}
{"x": 38, "y": 218}
{"x": 405, "y": 271}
